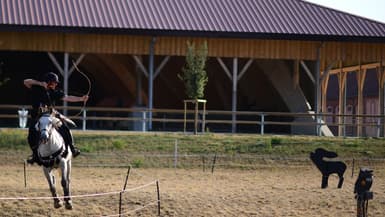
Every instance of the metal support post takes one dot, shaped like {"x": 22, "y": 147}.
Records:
{"x": 66, "y": 76}
{"x": 151, "y": 82}
{"x": 317, "y": 88}
{"x": 234, "y": 104}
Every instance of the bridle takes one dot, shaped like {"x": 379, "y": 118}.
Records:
{"x": 50, "y": 160}
{"x": 47, "y": 129}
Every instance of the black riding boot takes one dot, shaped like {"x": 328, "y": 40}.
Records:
{"x": 33, "y": 141}
{"x": 68, "y": 140}
{"x": 34, "y": 158}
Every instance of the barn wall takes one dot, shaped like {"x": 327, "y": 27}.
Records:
{"x": 350, "y": 52}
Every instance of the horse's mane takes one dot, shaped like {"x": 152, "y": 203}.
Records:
{"x": 56, "y": 122}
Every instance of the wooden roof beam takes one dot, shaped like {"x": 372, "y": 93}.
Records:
{"x": 355, "y": 68}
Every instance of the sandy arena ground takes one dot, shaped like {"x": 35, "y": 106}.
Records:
{"x": 266, "y": 191}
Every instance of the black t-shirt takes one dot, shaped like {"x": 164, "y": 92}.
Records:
{"x": 42, "y": 97}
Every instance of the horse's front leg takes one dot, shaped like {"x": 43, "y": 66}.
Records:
{"x": 325, "y": 178}
{"x": 66, "y": 183}
{"x": 341, "y": 180}
{"x": 51, "y": 182}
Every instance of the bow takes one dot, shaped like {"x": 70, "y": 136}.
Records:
{"x": 89, "y": 87}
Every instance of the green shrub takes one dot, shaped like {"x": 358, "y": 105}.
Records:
{"x": 136, "y": 163}
{"x": 276, "y": 141}
{"x": 118, "y": 144}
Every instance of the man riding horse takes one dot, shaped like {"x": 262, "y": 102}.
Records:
{"x": 44, "y": 93}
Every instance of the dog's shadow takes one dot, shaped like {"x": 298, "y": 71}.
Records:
{"x": 328, "y": 167}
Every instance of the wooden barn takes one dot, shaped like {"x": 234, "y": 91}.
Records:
{"x": 264, "y": 55}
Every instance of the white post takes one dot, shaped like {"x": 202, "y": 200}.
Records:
{"x": 176, "y": 153}
{"x": 23, "y": 117}
{"x": 262, "y": 124}
{"x": 84, "y": 120}
{"x": 378, "y": 127}
{"x": 144, "y": 121}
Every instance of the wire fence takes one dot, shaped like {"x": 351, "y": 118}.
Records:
{"x": 213, "y": 161}
{"x": 106, "y": 199}
{"x": 81, "y": 196}
{"x": 204, "y": 161}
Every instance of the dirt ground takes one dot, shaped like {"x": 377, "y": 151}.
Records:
{"x": 265, "y": 191}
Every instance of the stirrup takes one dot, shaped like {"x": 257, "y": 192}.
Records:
{"x": 31, "y": 160}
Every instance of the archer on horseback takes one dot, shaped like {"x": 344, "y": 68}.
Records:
{"x": 45, "y": 93}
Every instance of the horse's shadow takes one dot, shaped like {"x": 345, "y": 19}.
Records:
{"x": 328, "y": 167}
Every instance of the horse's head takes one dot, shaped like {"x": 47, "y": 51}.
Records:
{"x": 47, "y": 122}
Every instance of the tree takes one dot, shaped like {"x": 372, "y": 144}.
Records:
{"x": 194, "y": 72}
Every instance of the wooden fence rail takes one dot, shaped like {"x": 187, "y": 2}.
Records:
{"x": 215, "y": 119}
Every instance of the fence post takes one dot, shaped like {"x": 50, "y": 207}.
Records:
{"x": 378, "y": 127}
{"x": 316, "y": 123}
{"x": 158, "y": 193}
{"x": 23, "y": 117}
{"x": 124, "y": 188}
{"x": 213, "y": 165}
{"x": 25, "y": 175}
{"x": 144, "y": 121}
{"x": 196, "y": 118}
{"x": 84, "y": 119}
{"x": 203, "y": 163}
{"x": 176, "y": 154}
{"x": 184, "y": 117}
{"x": 320, "y": 124}
{"x": 204, "y": 117}
{"x": 262, "y": 124}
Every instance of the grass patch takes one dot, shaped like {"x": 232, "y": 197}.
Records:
{"x": 137, "y": 163}
{"x": 224, "y": 144}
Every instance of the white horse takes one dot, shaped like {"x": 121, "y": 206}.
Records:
{"x": 53, "y": 154}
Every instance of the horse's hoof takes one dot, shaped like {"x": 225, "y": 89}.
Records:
{"x": 57, "y": 204}
{"x": 68, "y": 205}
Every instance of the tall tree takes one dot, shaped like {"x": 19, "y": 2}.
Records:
{"x": 194, "y": 72}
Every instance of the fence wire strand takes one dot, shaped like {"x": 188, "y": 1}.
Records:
{"x": 79, "y": 196}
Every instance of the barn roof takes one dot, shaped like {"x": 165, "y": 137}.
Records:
{"x": 279, "y": 19}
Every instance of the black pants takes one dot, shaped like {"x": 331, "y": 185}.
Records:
{"x": 67, "y": 135}
{"x": 33, "y": 137}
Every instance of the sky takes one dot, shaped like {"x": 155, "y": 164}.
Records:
{"x": 372, "y": 9}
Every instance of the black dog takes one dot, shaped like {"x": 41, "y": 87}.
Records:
{"x": 328, "y": 167}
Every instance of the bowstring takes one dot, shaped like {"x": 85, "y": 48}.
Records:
{"x": 89, "y": 87}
